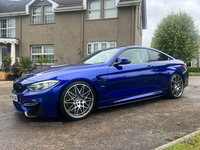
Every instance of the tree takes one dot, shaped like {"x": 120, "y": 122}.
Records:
{"x": 177, "y": 35}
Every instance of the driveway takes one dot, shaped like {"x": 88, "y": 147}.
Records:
{"x": 122, "y": 127}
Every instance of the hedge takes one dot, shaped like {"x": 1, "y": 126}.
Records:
{"x": 193, "y": 69}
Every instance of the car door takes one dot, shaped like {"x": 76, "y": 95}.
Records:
{"x": 135, "y": 78}
{"x": 161, "y": 63}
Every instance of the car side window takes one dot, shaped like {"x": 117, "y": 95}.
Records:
{"x": 156, "y": 56}
{"x": 135, "y": 55}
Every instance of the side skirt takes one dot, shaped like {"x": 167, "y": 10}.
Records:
{"x": 127, "y": 102}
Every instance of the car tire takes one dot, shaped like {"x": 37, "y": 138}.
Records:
{"x": 77, "y": 100}
{"x": 176, "y": 86}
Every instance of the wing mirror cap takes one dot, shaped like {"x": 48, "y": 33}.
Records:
{"x": 122, "y": 61}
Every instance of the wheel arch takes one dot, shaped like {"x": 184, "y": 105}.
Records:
{"x": 83, "y": 80}
{"x": 179, "y": 73}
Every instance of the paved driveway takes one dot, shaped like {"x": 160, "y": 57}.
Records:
{"x": 122, "y": 127}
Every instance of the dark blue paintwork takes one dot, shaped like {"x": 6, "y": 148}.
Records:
{"x": 112, "y": 84}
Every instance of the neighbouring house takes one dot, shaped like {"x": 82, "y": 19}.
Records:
{"x": 196, "y": 61}
{"x": 68, "y": 30}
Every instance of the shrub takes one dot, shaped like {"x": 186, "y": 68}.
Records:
{"x": 42, "y": 60}
{"x": 6, "y": 63}
{"x": 25, "y": 65}
{"x": 193, "y": 69}
{"x": 14, "y": 69}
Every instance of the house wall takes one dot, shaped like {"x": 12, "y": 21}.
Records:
{"x": 66, "y": 33}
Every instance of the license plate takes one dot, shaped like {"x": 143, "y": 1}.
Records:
{"x": 14, "y": 97}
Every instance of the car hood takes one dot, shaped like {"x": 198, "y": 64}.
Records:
{"x": 50, "y": 72}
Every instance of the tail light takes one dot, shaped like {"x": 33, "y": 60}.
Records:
{"x": 185, "y": 65}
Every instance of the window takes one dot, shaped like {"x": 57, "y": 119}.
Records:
{"x": 94, "y": 10}
{"x": 95, "y": 46}
{"x": 89, "y": 49}
{"x": 103, "y": 45}
{"x": 110, "y": 10}
{"x": 112, "y": 44}
{"x": 157, "y": 56}
{"x": 4, "y": 52}
{"x": 136, "y": 55}
{"x": 46, "y": 51}
{"x": 49, "y": 15}
{"x": 36, "y": 14}
{"x": 7, "y": 28}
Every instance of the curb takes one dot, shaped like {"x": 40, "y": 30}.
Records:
{"x": 178, "y": 140}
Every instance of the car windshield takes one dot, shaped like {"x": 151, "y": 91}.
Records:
{"x": 99, "y": 57}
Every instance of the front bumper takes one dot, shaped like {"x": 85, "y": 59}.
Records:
{"x": 32, "y": 110}
{"x": 38, "y": 104}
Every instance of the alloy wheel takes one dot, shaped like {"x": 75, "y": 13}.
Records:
{"x": 177, "y": 85}
{"x": 78, "y": 100}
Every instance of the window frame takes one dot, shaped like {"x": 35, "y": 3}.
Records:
{"x": 41, "y": 54}
{"x": 7, "y": 28}
{"x": 99, "y": 45}
{"x": 37, "y": 15}
{"x": 110, "y": 9}
{"x": 48, "y": 14}
{"x": 89, "y": 10}
{"x": 148, "y": 50}
{"x": 133, "y": 50}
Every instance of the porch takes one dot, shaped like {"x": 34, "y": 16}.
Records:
{"x": 8, "y": 47}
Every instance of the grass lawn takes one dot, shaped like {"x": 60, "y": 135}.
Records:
{"x": 189, "y": 144}
{"x": 194, "y": 73}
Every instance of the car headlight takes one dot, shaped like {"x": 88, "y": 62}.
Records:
{"x": 39, "y": 86}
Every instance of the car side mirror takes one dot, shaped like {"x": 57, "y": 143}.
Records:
{"x": 122, "y": 61}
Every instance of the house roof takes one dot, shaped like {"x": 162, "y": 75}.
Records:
{"x": 15, "y": 6}
{"x": 12, "y": 6}
{"x": 20, "y": 5}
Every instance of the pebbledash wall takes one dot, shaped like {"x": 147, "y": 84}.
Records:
{"x": 71, "y": 31}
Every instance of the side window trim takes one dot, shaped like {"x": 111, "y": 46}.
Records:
{"x": 157, "y": 52}
{"x": 112, "y": 64}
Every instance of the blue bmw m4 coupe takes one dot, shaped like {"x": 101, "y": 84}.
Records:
{"x": 105, "y": 78}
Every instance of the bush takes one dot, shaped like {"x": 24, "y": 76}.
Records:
{"x": 14, "y": 69}
{"x": 42, "y": 60}
{"x": 6, "y": 63}
{"x": 193, "y": 69}
{"x": 25, "y": 66}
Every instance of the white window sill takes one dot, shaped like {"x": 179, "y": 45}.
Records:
{"x": 46, "y": 64}
{"x": 101, "y": 19}
{"x": 32, "y": 24}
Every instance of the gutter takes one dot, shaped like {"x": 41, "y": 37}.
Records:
{"x": 129, "y": 3}
{"x": 144, "y": 14}
{"x": 20, "y": 13}
{"x": 66, "y": 9}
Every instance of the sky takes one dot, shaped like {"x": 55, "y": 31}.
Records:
{"x": 157, "y": 9}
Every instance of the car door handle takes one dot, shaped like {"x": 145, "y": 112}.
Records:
{"x": 150, "y": 66}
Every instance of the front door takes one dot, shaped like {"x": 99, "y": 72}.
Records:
{"x": 131, "y": 79}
